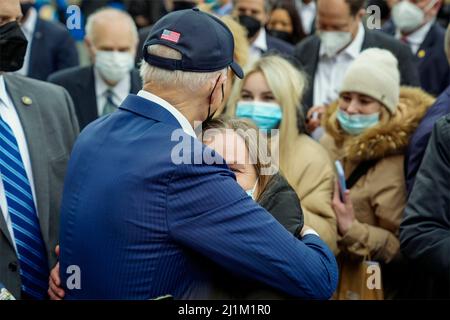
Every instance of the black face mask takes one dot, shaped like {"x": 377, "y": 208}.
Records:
{"x": 283, "y": 35}
{"x": 211, "y": 116}
{"x": 182, "y": 5}
{"x": 13, "y": 47}
{"x": 251, "y": 24}
{"x": 26, "y": 7}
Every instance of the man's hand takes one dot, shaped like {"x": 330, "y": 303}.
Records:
{"x": 313, "y": 118}
{"x": 345, "y": 214}
{"x": 55, "y": 291}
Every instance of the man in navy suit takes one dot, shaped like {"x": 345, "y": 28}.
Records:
{"x": 50, "y": 48}
{"x": 111, "y": 39}
{"x": 254, "y": 15}
{"x": 146, "y": 212}
{"x": 414, "y": 23}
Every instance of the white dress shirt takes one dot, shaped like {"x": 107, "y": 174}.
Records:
{"x": 120, "y": 91}
{"x": 9, "y": 115}
{"x": 28, "y": 29}
{"x": 331, "y": 70}
{"x": 416, "y": 38}
{"x": 259, "y": 46}
{"x": 184, "y": 123}
{"x": 307, "y": 13}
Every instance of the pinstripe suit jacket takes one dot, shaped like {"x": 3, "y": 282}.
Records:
{"x": 139, "y": 225}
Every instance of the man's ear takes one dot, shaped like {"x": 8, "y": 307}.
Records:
{"x": 91, "y": 49}
{"x": 360, "y": 15}
{"x": 217, "y": 95}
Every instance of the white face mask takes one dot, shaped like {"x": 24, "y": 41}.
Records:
{"x": 113, "y": 65}
{"x": 408, "y": 17}
{"x": 334, "y": 41}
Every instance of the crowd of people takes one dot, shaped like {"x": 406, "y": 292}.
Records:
{"x": 330, "y": 143}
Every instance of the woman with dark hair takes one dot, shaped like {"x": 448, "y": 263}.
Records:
{"x": 285, "y": 22}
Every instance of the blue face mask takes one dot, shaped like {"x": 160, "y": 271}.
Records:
{"x": 264, "y": 114}
{"x": 356, "y": 124}
{"x": 251, "y": 192}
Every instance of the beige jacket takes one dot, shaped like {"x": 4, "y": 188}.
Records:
{"x": 379, "y": 197}
{"x": 312, "y": 176}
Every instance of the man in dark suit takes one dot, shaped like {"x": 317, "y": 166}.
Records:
{"x": 325, "y": 58}
{"x": 425, "y": 37}
{"x": 38, "y": 127}
{"x": 424, "y": 232}
{"x": 99, "y": 89}
{"x": 419, "y": 141}
{"x": 51, "y": 48}
{"x": 254, "y": 15}
{"x": 144, "y": 214}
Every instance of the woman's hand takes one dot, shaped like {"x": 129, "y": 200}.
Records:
{"x": 55, "y": 291}
{"x": 345, "y": 214}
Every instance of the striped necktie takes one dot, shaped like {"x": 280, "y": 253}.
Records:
{"x": 109, "y": 106}
{"x": 31, "y": 252}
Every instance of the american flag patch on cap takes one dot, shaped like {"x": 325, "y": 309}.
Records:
{"x": 170, "y": 36}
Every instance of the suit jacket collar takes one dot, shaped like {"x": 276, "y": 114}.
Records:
{"x": 33, "y": 128}
{"x": 149, "y": 109}
{"x": 431, "y": 37}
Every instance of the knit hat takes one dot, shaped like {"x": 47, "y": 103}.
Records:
{"x": 375, "y": 73}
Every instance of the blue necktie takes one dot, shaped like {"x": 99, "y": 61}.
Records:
{"x": 31, "y": 250}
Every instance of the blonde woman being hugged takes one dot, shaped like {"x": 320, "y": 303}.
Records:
{"x": 269, "y": 95}
{"x": 368, "y": 129}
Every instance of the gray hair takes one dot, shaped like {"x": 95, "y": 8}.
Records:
{"x": 193, "y": 81}
{"x": 98, "y": 14}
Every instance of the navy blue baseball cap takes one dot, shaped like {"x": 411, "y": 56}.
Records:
{"x": 205, "y": 43}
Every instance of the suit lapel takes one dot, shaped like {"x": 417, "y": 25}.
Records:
{"x": 88, "y": 105}
{"x": 35, "y": 58}
{"x": 427, "y": 44}
{"x": 4, "y": 228}
{"x": 311, "y": 68}
{"x": 33, "y": 128}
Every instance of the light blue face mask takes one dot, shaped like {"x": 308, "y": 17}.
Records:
{"x": 251, "y": 192}
{"x": 264, "y": 114}
{"x": 356, "y": 124}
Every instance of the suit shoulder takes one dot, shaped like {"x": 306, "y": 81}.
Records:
{"x": 307, "y": 44}
{"x": 52, "y": 27}
{"x": 69, "y": 75}
{"x": 40, "y": 87}
{"x": 280, "y": 45}
{"x": 384, "y": 40}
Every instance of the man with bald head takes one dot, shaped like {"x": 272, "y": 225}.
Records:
{"x": 111, "y": 39}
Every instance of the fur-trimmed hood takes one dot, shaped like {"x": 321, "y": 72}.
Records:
{"x": 383, "y": 139}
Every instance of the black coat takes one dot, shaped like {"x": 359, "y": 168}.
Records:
{"x": 80, "y": 83}
{"x": 281, "y": 200}
{"x": 307, "y": 53}
{"x": 52, "y": 49}
{"x": 424, "y": 232}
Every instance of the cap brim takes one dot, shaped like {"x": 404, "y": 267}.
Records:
{"x": 237, "y": 70}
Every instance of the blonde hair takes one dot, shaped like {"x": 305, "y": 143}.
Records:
{"x": 193, "y": 81}
{"x": 287, "y": 85}
{"x": 241, "y": 44}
